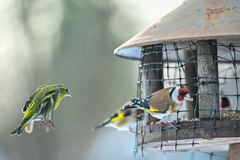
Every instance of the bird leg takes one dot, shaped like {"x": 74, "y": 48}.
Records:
{"x": 45, "y": 123}
{"x": 51, "y": 122}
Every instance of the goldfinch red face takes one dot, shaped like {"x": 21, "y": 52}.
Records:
{"x": 183, "y": 94}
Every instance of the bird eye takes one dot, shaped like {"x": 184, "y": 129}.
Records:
{"x": 181, "y": 92}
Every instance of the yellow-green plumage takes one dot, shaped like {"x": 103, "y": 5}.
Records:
{"x": 40, "y": 105}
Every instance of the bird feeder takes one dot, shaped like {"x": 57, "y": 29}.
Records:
{"x": 196, "y": 45}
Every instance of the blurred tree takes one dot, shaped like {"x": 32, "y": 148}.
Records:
{"x": 68, "y": 42}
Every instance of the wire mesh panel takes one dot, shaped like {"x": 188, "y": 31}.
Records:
{"x": 210, "y": 71}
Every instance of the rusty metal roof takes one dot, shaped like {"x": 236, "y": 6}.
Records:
{"x": 193, "y": 20}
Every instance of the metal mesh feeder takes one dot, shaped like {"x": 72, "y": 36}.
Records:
{"x": 196, "y": 45}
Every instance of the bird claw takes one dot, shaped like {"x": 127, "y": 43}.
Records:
{"x": 45, "y": 123}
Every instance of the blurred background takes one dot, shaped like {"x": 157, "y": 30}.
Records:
{"x": 72, "y": 42}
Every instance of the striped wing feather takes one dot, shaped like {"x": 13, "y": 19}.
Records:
{"x": 160, "y": 100}
{"x": 25, "y": 107}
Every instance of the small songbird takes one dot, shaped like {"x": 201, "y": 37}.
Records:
{"x": 225, "y": 104}
{"x": 40, "y": 106}
{"x": 121, "y": 120}
{"x": 162, "y": 102}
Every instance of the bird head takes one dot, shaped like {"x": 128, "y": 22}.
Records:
{"x": 64, "y": 91}
{"x": 225, "y": 103}
{"x": 183, "y": 94}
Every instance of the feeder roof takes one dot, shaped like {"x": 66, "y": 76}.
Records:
{"x": 193, "y": 20}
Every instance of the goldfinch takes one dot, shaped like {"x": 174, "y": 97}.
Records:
{"x": 162, "y": 102}
{"x": 121, "y": 120}
{"x": 40, "y": 106}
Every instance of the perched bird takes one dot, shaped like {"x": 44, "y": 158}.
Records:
{"x": 162, "y": 102}
{"x": 225, "y": 104}
{"x": 121, "y": 120}
{"x": 40, "y": 106}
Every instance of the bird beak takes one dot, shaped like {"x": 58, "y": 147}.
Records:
{"x": 188, "y": 97}
{"x": 130, "y": 106}
{"x": 68, "y": 94}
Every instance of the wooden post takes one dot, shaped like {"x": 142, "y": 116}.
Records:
{"x": 208, "y": 88}
{"x": 191, "y": 74}
{"x": 152, "y": 72}
{"x": 234, "y": 151}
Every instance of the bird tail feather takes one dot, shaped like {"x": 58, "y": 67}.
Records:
{"x": 102, "y": 124}
{"x": 97, "y": 127}
{"x": 18, "y": 131}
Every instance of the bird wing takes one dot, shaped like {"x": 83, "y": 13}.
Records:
{"x": 160, "y": 101}
{"x": 160, "y": 107}
{"x": 119, "y": 115}
{"x": 48, "y": 103}
{"x": 26, "y": 105}
{"x": 106, "y": 121}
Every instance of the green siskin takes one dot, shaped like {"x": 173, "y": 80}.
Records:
{"x": 40, "y": 106}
